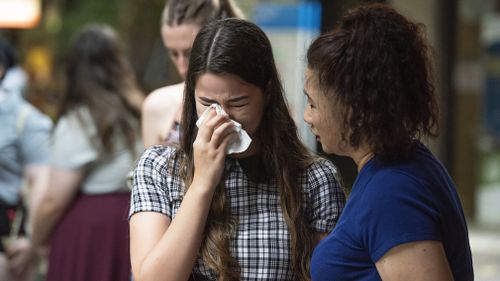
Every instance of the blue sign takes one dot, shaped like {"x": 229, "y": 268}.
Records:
{"x": 303, "y": 15}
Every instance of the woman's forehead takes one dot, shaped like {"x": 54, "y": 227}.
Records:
{"x": 179, "y": 37}
{"x": 311, "y": 80}
{"x": 222, "y": 85}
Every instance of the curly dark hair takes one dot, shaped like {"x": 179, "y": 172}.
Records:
{"x": 375, "y": 63}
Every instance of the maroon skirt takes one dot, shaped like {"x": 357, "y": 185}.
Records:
{"x": 91, "y": 242}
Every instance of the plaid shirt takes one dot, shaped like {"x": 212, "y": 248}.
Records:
{"x": 261, "y": 242}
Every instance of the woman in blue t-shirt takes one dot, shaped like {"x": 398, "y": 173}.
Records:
{"x": 370, "y": 98}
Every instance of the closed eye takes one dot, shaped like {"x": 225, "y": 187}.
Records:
{"x": 240, "y": 101}
{"x": 173, "y": 54}
{"x": 310, "y": 104}
{"x": 239, "y": 105}
{"x": 309, "y": 101}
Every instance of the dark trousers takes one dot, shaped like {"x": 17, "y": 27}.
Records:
{"x": 7, "y": 214}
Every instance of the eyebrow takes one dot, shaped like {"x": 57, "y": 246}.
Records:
{"x": 207, "y": 100}
{"x": 237, "y": 99}
{"x": 305, "y": 93}
{"x": 178, "y": 49}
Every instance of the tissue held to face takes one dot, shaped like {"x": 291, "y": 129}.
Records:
{"x": 242, "y": 101}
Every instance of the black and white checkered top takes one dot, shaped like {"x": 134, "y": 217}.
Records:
{"x": 261, "y": 242}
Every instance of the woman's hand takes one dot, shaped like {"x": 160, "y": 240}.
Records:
{"x": 166, "y": 249}
{"x": 210, "y": 149}
{"x": 20, "y": 255}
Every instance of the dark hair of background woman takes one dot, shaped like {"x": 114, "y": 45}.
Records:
{"x": 241, "y": 48}
{"x": 199, "y": 12}
{"x": 100, "y": 77}
{"x": 375, "y": 63}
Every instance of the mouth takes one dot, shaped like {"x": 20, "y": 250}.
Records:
{"x": 315, "y": 134}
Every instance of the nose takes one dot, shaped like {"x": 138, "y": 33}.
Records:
{"x": 182, "y": 66}
{"x": 227, "y": 110}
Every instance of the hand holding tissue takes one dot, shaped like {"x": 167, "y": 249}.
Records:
{"x": 241, "y": 143}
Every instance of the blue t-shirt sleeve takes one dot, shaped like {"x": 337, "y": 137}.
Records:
{"x": 35, "y": 138}
{"x": 399, "y": 209}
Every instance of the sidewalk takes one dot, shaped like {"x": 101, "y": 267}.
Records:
{"x": 485, "y": 246}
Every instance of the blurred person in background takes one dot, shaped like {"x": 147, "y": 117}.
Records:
{"x": 15, "y": 79}
{"x": 82, "y": 215}
{"x": 24, "y": 153}
{"x": 201, "y": 212}
{"x": 371, "y": 98}
{"x": 181, "y": 21}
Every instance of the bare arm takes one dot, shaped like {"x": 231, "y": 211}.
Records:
{"x": 158, "y": 113}
{"x": 422, "y": 260}
{"x": 164, "y": 249}
{"x": 62, "y": 188}
{"x": 37, "y": 177}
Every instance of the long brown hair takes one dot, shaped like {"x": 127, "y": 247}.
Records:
{"x": 100, "y": 78}
{"x": 240, "y": 48}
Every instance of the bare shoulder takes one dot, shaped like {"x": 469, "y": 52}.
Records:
{"x": 163, "y": 99}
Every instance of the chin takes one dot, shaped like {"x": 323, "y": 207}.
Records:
{"x": 250, "y": 151}
{"x": 239, "y": 155}
{"x": 326, "y": 149}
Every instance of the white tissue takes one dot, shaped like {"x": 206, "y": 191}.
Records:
{"x": 241, "y": 143}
